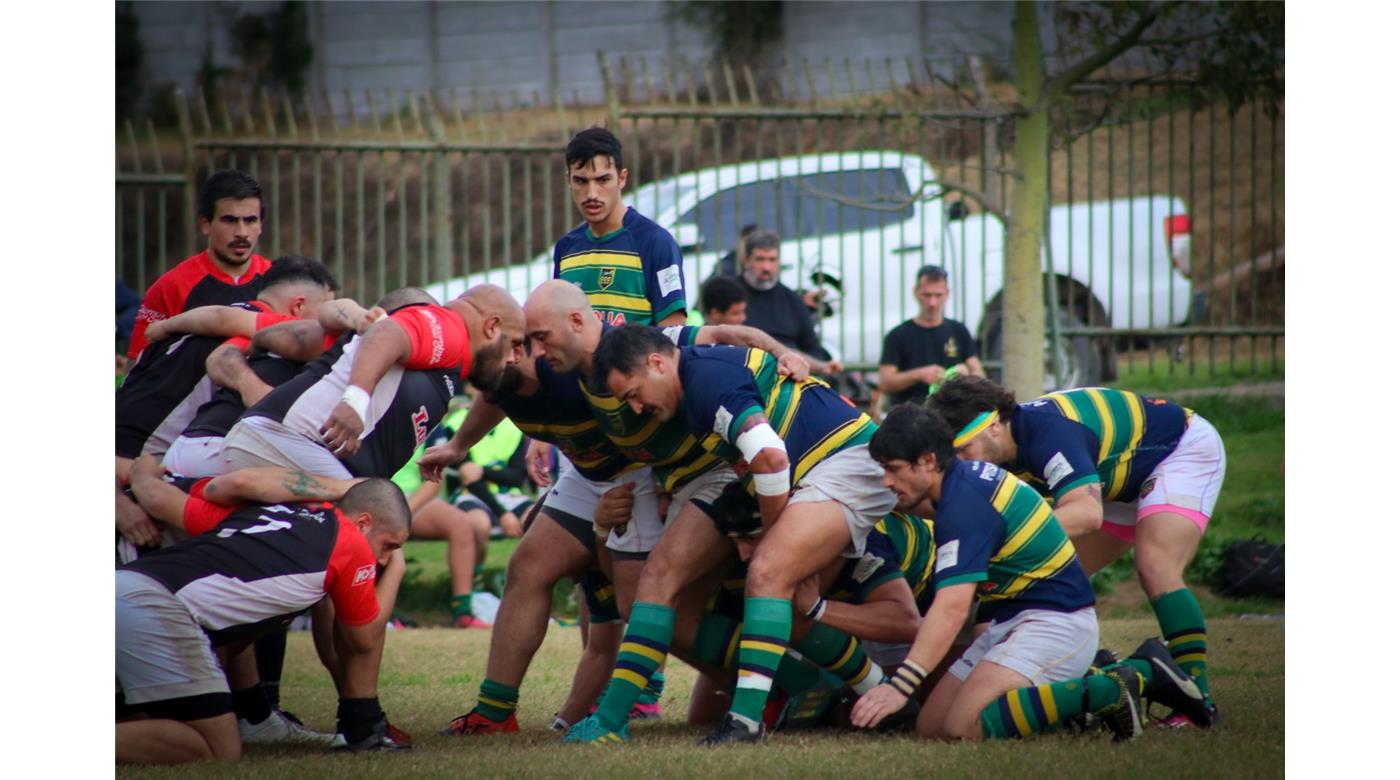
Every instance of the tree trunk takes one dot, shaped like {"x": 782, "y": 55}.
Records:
{"x": 1023, "y": 305}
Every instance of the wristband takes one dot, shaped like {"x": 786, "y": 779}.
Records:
{"x": 771, "y": 484}
{"x": 818, "y": 609}
{"x": 559, "y": 724}
{"x": 908, "y": 677}
{"x": 358, "y": 400}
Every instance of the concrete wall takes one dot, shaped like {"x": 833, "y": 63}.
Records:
{"x": 535, "y": 47}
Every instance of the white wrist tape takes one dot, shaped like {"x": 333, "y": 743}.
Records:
{"x": 358, "y": 400}
{"x": 818, "y": 609}
{"x": 771, "y": 484}
{"x": 757, "y": 439}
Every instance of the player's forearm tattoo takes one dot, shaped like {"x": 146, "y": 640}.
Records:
{"x": 304, "y": 485}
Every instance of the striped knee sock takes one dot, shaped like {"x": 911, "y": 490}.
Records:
{"x": 1025, "y": 711}
{"x": 496, "y": 700}
{"x": 646, "y": 642}
{"x": 767, "y": 626}
{"x": 841, "y": 654}
{"x": 716, "y": 641}
{"x": 1184, "y": 628}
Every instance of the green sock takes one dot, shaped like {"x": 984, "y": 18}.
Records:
{"x": 1025, "y": 711}
{"x": 646, "y": 642}
{"x": 461, "y": 605}
{"x": 655, "y": 687}
{"x": 716, "y": 641}
{"x": 1184, "y": 627}
{"x": 1143, "y": 668}
{"x": 841, "y": 654}
{"x": 767, "y": 627}
{"x": 496, "y": 701}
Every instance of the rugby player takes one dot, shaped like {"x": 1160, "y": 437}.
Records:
{"x": 627, "y": 265}
{"x": 598, "y": 486}
{"x": 230, "y": 213}
{"x": 265, "y": 564}
{"x": 730, "y": 394}
{"x": 1123, "y": 471}
{"x": 168, "y": 383}
{"x": 997, "y": 542}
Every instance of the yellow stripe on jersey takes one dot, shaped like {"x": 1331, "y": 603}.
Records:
{"x": 1121, "y": 471}
{"x": 1054, "y": 563}
{"x": 1033, "y": 524}
{"x": 1005, "y": 490}
{"x": 625, "y": 302}
{"x": 699, "y": 465}
{"x": 828, "y": 444}
{"x": 753, "y": 361}
{"x": 589, "y": 257}
{"x": 1106, "y": 415}
{"x": 556, "y": 428}
{"x": 1066, "y": 406}
{"x": 790, "y": 413}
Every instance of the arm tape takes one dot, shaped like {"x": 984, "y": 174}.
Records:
{"x": 771, "y": 484}
{"x": 757, "y": 439}
{"x": 358, "y": 400}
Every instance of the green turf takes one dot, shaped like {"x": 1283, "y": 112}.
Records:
{"x": 431, "y": 675}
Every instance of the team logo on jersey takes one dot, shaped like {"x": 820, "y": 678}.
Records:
{"x": 951, "y": 348}
{"x": 420, "y": 424}
{"x": 363, "y": 574}
{"x": 605, "y": 278}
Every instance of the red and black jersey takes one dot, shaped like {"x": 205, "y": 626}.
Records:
{"x": 196, "y": 281}
{"x": 166, "y": 386}
{"x": 218, "y": 415}
{"x": 265, "y": 564}
{"x": 406, "y": 404}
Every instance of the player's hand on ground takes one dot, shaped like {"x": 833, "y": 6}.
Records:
{"x": 537, "y": 462}
{"x": 437, "y": 458}
{"x": 342, "y": 430}
{"x": 877, "y": 705}
{"x": 136, "y": 525}
{"x": 615, "y": 506}
{"x": 795, "y": 366}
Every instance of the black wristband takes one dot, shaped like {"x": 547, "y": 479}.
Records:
{"x": 357, "y": 719}
{"x": 908, "y": 677}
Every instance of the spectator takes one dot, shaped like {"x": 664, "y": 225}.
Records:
{"x": 729, "y": 264}
{"x": 774, "y": 308}
{"x": 919, "y": 353}
{"x": 723, "y": 301}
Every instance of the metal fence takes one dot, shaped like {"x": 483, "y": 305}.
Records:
{"x": 418, "y": 188}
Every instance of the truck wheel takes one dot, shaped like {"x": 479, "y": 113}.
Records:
{"x": 1081, "y": 361}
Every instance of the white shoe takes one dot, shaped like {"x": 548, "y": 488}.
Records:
{"x": 278, "y": 728}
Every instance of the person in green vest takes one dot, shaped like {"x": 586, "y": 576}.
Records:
{"x": 466, "y": 533}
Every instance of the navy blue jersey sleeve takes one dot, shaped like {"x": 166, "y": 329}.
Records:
{"x": 558, "y": 248}
{"x": 719, "y": 397}
{"x": 661, "y": 265}
{"x": 681, "y": 335}
{"x": 879, "y": 565}
{"x": 1058, "y": 451}
{"x": 968, "y": 532}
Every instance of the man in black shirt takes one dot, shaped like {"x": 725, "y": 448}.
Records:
{"x": 919, "y": 353}
{"x": 774, "y": 308}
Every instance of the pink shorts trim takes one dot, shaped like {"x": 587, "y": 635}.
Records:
{"x": 1128, "y": 533}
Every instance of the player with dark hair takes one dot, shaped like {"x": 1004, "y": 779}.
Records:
{"x": 1123, "y": 471}
{"x": 168, "y": 383}
{"x": 723, "y": 301}
{"x": 818, "y": 491}
{"x": 221, "y": 589}
{"x": 365, "y": 405}
{"x": 998, "y": 543}
{"x": 598, "y": 481}
{"x": 629, "y": 266}
{"x": 230, "y": 211}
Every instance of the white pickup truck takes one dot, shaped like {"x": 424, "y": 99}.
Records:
{"x": 861, "y": 224}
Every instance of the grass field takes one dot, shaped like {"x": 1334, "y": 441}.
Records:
{"x": 431, "y": 675}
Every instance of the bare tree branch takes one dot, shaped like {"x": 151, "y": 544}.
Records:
{"x": 899, "y": 204}
{"x": 1058, "y": 85}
